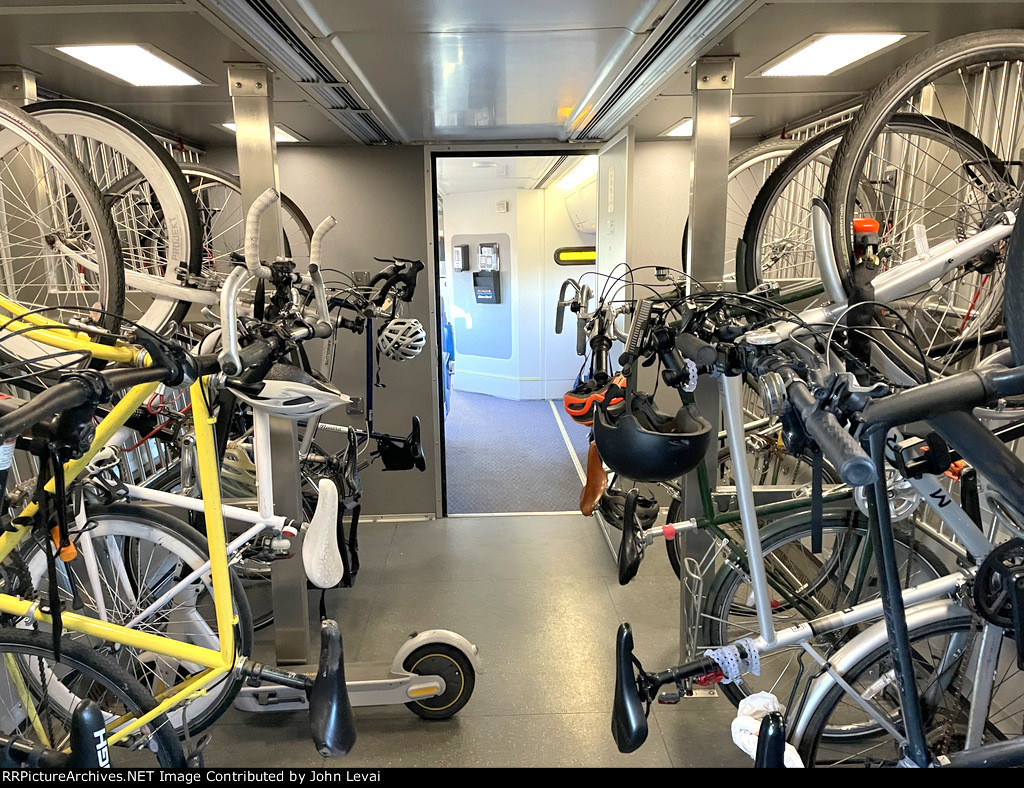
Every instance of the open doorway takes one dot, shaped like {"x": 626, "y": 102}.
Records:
{"x": 508, "y": 445}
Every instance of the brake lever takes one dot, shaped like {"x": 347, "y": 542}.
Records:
{"x": 583, "y": 317}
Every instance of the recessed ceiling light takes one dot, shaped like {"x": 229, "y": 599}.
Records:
{"x": 585, "y": 168}
{"x": 685, "y": 129}
{"x": 281, "y": 134}
{"x": 134, "y": 64}
{"x": 826, "y": 54}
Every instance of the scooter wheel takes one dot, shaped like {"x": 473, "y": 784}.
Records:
{"x": 451, "y": 664}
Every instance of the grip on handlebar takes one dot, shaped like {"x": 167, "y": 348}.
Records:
{"x": 317, "y": 241}
{"x": 252, "y": 233}
{"x": 838, "y": 446}
{"x": 697, "y": 350}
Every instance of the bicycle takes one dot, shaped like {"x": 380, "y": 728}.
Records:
{"x": 171, "y": 366}
{"x": 811, "y": 724}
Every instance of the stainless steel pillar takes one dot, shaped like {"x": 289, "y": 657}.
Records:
{"x": 252, "y": 98}
{"x": 712, "y": 85}
{"x": 17, "y": 85}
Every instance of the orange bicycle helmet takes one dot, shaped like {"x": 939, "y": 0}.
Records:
{"x": 580, "y": 402}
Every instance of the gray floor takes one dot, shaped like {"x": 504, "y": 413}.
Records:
{"x": 539, "y": 597}
{"x": 507, "y": 455}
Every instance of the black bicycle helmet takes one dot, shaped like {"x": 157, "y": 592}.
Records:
{"x": 639, "y": 442}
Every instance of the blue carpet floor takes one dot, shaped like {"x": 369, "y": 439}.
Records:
{"x": 509, "y": 456}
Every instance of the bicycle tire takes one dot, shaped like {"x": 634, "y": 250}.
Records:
{"x": 819, "y": 744}
{"x": 817, "y": 149}
{"x": 160, "y": 228}
{"x": 153, "y": 530}
{"x": 104, "y": 294}
{"x": 1013, "y": 293}
{"x": 829, "y": 476}
{"x": 972, "y": 50}
{"x": 840, "y": 530}
{"x": 79, "y": 664}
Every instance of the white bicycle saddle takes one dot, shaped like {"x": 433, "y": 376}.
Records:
{"x": 321, "y": 555}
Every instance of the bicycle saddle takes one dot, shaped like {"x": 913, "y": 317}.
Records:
{"x": 330, "y": 711}
{"x": 630, "y": 552}
{"x": 629, "y": 722}
{"x": 402, "y": 454}
{"x": 597, "y": 482}
{"x": 321, "y": 554}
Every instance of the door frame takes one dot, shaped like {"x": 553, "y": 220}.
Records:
{"x": 431, "y": 153}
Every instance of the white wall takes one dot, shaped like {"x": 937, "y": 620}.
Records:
{"x": 543, "y": 364}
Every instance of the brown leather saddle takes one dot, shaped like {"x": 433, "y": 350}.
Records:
{"x": 597, "y": 482}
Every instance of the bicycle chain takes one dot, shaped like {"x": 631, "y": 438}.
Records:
{"x": 941, "y": 746}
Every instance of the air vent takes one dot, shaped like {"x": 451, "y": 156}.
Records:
{"x": 657, "y": 49}
{"x": 259, "y": 20}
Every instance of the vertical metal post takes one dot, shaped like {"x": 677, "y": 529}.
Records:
{"x": 712, "y": 85}
{"x": 252, "y": 98}
{"x": 17, "y": 85}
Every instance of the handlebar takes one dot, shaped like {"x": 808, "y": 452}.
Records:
{"x": 89, "y": 386}
{"x": 400, "y": 272}
{"x": 838, "y": 446}
{"x": 252, "y": 233}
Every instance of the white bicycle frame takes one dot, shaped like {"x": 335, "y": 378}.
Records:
{"x": 925, "y": 603}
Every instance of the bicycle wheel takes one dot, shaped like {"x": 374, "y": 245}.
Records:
{"x": 944, "y": 654}
{"x": 218, "y": 195}
{"x": 40, "y": 694}
{"x": 59, "y": 251}
{"x": 153, "y": 209}
{"x": 925, "y": 197}
{"x": 139, "y": 555}
{"x": 769, "y": 463}
{"x": 747, "y": 173}
{"x": 778, "y": 242}
{"x": 841, "y": 575}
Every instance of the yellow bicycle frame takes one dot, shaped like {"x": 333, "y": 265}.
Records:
{"x": 56, "y": 334}
{"x": 217, "y": 662}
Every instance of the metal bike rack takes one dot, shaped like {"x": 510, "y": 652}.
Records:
{"x": 712, "y": 85}
{"x": 252, "y": 99}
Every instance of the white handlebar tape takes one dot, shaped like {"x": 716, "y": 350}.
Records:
{"x": 317, "y": 241}
{"x": 252, "y": 233}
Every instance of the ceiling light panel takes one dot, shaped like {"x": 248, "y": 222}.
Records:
{"x": 585, "y": 168}
{"x": 141, "y": 66}
{"x": 685, "y": 129}
{"x": 281, "y": 134}
{"x": 826, "y": 54}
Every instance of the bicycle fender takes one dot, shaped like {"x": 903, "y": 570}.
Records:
{"x": 862, "y": 645}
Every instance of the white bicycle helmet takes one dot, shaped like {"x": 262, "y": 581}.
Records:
{"x": 292, "y": 393}
{"x": 401, "y": 339}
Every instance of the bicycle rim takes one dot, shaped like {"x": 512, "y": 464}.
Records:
{"x": 40, "y": 695}
{"x": 139, "y": 556}
{"x": 54, "y": 217}
{"x": 153, "y": 210}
